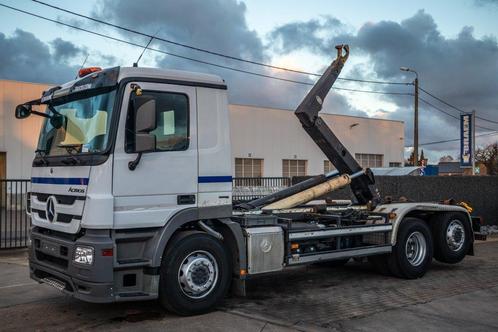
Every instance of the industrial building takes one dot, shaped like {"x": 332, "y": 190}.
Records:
{"x": 266, "y": 142}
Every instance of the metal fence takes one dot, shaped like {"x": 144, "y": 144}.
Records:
{"x": 14, "y": 222}
{"x": 245, "y": 189}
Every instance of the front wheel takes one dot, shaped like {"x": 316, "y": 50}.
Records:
{"x": 412, "y": 254}
{"x": 195, "y": 274}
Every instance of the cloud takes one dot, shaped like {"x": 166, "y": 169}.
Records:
{"x": 481, "y": 3}
{"x": 297, "y": 35}
{"x": 65, "y": 50}
{"x": 218, "y": 25}
{"x": 462, "y": 70}
{"x": 26, "y": 58}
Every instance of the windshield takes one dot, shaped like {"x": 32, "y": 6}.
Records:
{"x": 84, "y": 127}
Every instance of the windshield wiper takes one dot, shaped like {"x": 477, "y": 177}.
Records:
{"x": 41, "y": 153}
{"x": 71, "y": 159}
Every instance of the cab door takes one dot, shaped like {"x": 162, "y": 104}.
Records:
{"x": 165, "y": 180}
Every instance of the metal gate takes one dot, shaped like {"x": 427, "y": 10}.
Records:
{"x": 245, "y": 188}
{"x": 14, "y": 222}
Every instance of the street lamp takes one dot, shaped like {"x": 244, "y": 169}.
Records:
{"x": 415, "y": 122}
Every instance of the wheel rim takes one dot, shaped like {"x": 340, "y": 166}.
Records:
{"x": 198, "y": 274}
{"x": 455, "y": 235}
{"x": 416, "y": 248}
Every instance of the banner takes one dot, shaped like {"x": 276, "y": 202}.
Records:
{"x": 466, "y": 143}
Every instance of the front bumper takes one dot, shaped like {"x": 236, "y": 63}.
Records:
{"x": 80, "y": 289}
{"x": 51, "y": 261}
{"x": 126, "y": 275}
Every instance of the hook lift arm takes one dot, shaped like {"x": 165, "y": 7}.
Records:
{"x": 307, "y": 113}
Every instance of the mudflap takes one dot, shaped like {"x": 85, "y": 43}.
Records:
{"x": 476, "y": 227}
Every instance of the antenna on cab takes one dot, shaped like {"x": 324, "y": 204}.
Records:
{"x": 135, "y": 64}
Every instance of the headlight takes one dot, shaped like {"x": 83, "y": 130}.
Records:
{"x": 83, "y": 255}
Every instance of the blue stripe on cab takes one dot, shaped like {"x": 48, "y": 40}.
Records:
{"x": 214, "y": 179}
{"x": 74, "y": 181}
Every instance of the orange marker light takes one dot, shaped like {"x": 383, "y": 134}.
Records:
{"x": 243, "y": 272}
{"x": 295, "y": 246}
{"x": 85, "y": 71}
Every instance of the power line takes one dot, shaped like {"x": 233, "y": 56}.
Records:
{"x": 193, "y": 59}
{"x": 449, "y": 114}
{"x": 454, "y": 139}
{"x": 249, "y": 61}
{"x": 442, "y": 101}
{"x": 210, "y": 51}
{"x": 456, "y": 108}
{"x": 484, "y": 119}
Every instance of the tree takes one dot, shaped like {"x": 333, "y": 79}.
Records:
{"x": 409, "y": 161}
{"x": 488, "y": 156}
{"x": 422, "y": 160}
{"x": 446, "y": 159}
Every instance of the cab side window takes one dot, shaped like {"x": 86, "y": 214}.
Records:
{"x": 172, "y": 111}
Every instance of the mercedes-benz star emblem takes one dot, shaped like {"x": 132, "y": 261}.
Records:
{"x": 51, "y": 214}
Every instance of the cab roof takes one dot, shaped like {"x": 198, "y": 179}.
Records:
{"x": 169, "y": 74}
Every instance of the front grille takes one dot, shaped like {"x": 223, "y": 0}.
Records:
{"x": 53, "y": 260}
{"x": 61, "y": 217}
{"x": 61, "y": 199}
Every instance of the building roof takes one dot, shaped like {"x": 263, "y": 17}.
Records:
{"x": 450, "y": 167}
{"x": 396, "y": 171}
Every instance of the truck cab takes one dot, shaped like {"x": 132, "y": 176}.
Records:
{"x": 101, "y": 198}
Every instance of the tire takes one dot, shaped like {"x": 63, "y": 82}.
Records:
{"x": 195, "y": 274}
{"x": 452, "y": 237}
{"x": 334, "y": 263}
{"x": 412, "y": 254}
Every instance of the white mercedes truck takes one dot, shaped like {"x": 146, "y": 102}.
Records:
{"x": 131, "y": 197}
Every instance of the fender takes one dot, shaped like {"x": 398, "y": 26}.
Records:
{"x": 222, "y": 213}
{"x": 402, "y": 209}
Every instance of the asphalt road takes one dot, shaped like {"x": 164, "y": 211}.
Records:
{"x": 462, "y": 297}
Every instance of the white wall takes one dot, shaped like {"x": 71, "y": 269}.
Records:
{"x": 275, "y": 134}
{"x": 271, "y": 134}
{"x": 18, "y": 137}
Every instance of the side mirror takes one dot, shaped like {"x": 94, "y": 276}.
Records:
{"x": 145, "y": 122}
{"x": 23, "y": 111}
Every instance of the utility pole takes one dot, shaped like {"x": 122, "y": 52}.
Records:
{"x": 415, "y": 124}
{"x": 415, "y": 120}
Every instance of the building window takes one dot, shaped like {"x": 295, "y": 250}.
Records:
{"x": 248, "y": 168}
{"x": 294, "y": 167}
{"x": 394, "y": 164}
{"x": 328, "y": 166}
{"x": 369, "y": 160}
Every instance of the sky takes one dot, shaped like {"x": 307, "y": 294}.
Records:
{"x": 451, "y": 44}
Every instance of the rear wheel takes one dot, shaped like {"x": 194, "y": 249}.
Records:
{"x": 412, "y": 254}
{"x": 452, "y": 237}
{"x": 195, "y": 274}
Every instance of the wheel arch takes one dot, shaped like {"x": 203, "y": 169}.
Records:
{"x": 423, "y": 211}
{"x": 188, "y": 219}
